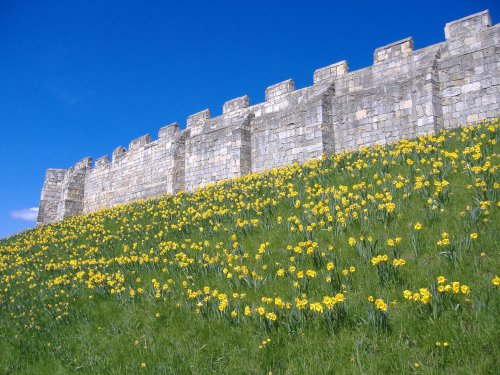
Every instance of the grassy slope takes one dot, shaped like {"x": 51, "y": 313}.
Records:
{"x": 65, "y": 289}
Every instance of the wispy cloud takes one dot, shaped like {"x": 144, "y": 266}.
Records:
{"x": 28, "y": 214}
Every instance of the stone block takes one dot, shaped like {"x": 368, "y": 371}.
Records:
{"x": 118, "y": 152}
{"x": 103, "y": 160}
{"x": 235, "y": 104}
{"x": 167, "y": 132}
{"x": 401, "y": 48}
{"x": 198, "y": 118}
{"x": 330, "y": 72}
{"x": 280, "y": 89}
{"x": 469, "y": 25}
{"x": 139, "y": 142}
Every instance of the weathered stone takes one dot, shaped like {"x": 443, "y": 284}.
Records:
{"x": 397, "y": 49}
{"x": 404, "y": 94}
{"x": 330, "y": 72}
{"x": 278, "y": 90}
{"x": 235, "y": 104}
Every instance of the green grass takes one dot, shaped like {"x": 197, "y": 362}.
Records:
{"x": 56, "y": 316}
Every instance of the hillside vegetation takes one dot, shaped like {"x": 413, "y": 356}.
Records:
{"x": 382, "y": 260}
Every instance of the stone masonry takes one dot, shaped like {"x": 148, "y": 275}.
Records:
{"x": 405, "y": 93}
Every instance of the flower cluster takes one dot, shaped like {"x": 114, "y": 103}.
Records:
{"x": 290, "y": 247}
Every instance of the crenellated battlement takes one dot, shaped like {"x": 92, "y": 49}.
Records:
{"x": 102, "y": 161}
{"x": 235, "y": 104}
{"x": 119, "y": 153}
{"x": 279, "y": 90}
{"x": 167, "y": 133}
{"x": 140, "y": 142}
{"x": 399, "y": 49}
{"x": 405, "y": 93}
{"x": 198, "y": 118}
{"x": 471, "y": 25}
{"x": 330, "y": 72}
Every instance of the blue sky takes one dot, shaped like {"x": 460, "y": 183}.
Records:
{"x": 79, "y": 78}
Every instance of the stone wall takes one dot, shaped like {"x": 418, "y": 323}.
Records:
{"x": 217, "y": 148}
{"x": 51, "y": 195}
{"x": 405, "y": 93}
{"x": 288, "y": 126}
{"x": 469, "y": 70}
{"x": 397, "y": 97}
{"x": 148, "y": 168}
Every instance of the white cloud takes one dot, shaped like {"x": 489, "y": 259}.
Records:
{"x": 28, "y": 214}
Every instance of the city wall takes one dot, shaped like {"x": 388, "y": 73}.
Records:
{"x": 405, "y": 93}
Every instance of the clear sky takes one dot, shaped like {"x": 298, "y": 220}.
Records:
{"x": 79, "y": 78}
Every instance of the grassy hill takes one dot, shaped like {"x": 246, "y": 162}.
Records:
{"x": 378, "y": 261}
